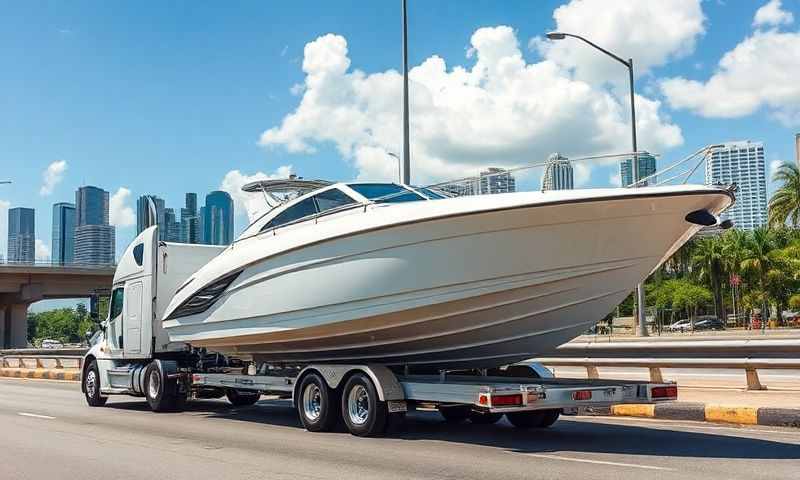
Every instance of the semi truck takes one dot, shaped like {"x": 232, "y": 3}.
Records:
{"x": 133, "y": 355}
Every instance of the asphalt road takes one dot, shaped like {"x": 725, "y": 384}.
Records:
{"x": 48, "y": 432}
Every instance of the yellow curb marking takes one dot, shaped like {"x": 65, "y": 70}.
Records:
{"x": 741, "y": 415}
{"x": 634, "y": 410}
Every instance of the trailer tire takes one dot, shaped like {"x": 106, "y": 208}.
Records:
{"x": 364, "y": 414}
{"x": 534, "y": 419}
{"x": 316, "y": 404}
{"x": 488, "y": 418}
{"x": 455, "y": 413}
{"x": 242, "y": 398}
{"x": 161, "y": 392}
{"x": 91, "y": 386}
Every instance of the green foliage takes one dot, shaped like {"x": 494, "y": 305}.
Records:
{"x": 64, "y": 324}
{"x": 784, "y": 206}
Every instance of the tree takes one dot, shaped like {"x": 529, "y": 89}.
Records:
{"x": 784, "y": 206}
{"x": 690, "y": 296}
{"x": 709, "y": 258}
{"x": 757, "y": 261}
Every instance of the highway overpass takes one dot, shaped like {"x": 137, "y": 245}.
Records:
{"x": 22, "y": 284}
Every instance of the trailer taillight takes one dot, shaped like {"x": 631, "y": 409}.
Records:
{"x": 507, "y": 400}
{"x": 582, "y": 395}
{"x": 664, "y": 392}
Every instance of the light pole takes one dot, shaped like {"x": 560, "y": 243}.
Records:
{"x": 634, "y": 161}
{"x": 399, "y": 169}
{"x": 406, "y": 142}
{"x": 5, "y": 182}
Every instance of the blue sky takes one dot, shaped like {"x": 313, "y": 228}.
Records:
{"x": 169, "y": 97}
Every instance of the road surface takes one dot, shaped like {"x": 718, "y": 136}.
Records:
{"x": 48, "y": 432}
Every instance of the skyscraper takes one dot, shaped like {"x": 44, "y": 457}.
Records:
{"x": 21, "y": 235}
{"x": 497, "y": 180}
{"x": 218, "y": 221}
{"x": 558, "y": 174}
{"x": 94, "y": 237}
{"x": 63, "y": 232}
{"x": 741, "y": 163}
{"x": 173, "y": 228}
{"x": 189, "y": 220}
{"x": 647, "y": 167}
{"x": 141, "y": 212}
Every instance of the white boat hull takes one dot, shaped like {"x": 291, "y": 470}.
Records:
{"x": 473, "y": 288}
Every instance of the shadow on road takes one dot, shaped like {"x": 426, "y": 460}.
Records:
{"x": 566, "y": 435}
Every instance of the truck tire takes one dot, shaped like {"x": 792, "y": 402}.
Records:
{"x": 455, "y": 413}
{"x": 364, "y": 414}
{"x": 91, "y": 386}
{"x": 534, "y": 419}
{"x": 242, "y": 398}
{"x": 161, "y": 392}
{"x": 316, "y": 404}
{"x": 480, "y": 418}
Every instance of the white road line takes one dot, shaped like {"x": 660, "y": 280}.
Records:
{"x": 597, "y": 462}
{"x": 35, "y": 415}
{"x": 655, "y": 422}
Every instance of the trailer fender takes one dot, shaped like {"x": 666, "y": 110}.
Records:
{"x": 385, "y": 381}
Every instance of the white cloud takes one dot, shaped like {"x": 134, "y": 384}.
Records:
{"x": 120, "y": 212}
{"x": 52, "y": 176}
{"x": 760, "y": 72}
{"x": 42, "y": 250}
{"x": 251, "y": 203}
{"x": 772, "y": 14}
{"x": 501, "y": 111}
{"x": 615, "y": 180}
{"x": 774, "y": 166}
{"x": 650, "y": 32}
{"x": 4, "y": 206}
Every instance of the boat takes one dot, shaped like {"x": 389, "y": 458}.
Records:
{"x": 405, "y": 276}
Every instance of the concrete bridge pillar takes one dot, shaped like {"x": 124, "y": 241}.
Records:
{"x": 14, "y": 325}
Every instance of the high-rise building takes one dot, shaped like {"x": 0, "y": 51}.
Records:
{"x": 497, "y": 180}
{"x": 558, "y": 174}
{"x": 797, "y": 148}
{"x": 742, "y": 164}
{"x": 173, "y": 227}
{"x": 94, "y": 237}
{"x": 189, "y": 222}
{"x": 63, "y": 232}
{"x": 647, "y": 167}
{"x": 141, "y": 215}
{"x": 21, "y": 234}
{"x": 461, "y": 188}
{"x": 218, "y": 221}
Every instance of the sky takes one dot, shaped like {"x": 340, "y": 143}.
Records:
{"x": 171, "y": 97}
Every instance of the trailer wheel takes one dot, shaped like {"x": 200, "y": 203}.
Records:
{"x": 242, "y": 398}
{"x": 317, "y": 404}
{"x": 91, "y": 386}
{"x": 455, "y": 413}
{"x": 480, "y": 418}
{"x": 161, "y": 392}
{"x": 534, "y": 419}
{"x": 364, "y": 413}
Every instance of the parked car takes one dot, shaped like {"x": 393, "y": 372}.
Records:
{"x": 47, "y": 343}
{"x": 680, "y": 326}
{"x": 708, "y": 322}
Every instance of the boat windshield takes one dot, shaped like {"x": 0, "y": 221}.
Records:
{"x": 386, "y": 192}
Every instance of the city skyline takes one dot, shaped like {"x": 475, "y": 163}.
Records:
{"x": 742, "y": 164}
{"x": 274, "y": 123}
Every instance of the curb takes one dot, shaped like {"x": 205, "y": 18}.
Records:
{"x": 774, "y": 417}
{"x": 69, "y": 374}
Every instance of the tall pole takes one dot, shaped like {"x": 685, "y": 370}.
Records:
{"x": 406, "y": 141}
{"x": 635, "y": 171}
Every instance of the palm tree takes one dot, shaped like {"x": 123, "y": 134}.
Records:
{"x": 785, "y": 202}
{"x": 709, "y": 258}
{"x": 758, "y": 261}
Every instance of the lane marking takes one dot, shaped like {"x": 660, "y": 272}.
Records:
{"x": 596, "y": 462}
{"x": 35, "y": 415}
{"x": 656, "y": 422}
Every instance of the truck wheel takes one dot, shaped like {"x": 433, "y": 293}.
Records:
{"x": 317, "y": 404}
{"x": 550, "y": 417}
{"x": 91, "y": 386}
{"x": 242, "y": 398}
{"x": 480, "y": 418}
{"x": 455, "y": 413}
{"x": 363, "y": 412}
{"x": 162, "y": 393}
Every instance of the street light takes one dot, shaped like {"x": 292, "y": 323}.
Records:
{"x": 634, "y": 161}
{"x": 5, "y": 182}
{"x": 399, "y": 163}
